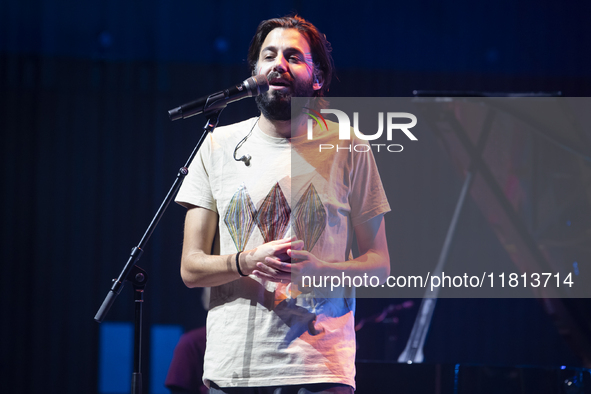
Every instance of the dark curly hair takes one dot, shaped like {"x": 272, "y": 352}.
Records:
{"x": 319, "y": 46}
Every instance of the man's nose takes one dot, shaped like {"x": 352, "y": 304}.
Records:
{"x": 280, "y": 63}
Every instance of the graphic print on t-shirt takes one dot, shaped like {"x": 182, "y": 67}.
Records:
{"x": 274, "y": 215}
{"x": 310, "y": 218}
{"x": 240, "y": 217}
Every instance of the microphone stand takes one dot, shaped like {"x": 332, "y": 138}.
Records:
{"x": 132, "y": 273}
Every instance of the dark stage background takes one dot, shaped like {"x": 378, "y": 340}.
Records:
{"x": 88, "y": 154}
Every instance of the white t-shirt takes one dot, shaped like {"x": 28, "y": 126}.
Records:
{"x": 258, "y": 332}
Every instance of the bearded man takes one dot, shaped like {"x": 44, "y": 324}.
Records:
{"x": 251, "y": 225}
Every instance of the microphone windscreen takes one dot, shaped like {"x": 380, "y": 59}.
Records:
{"x": 257, "y": 84}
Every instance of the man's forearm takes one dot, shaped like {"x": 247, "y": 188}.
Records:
{"x": 199, "y": 269}
{"x": 372, "y": 263}
{"x": 203, "y": 270}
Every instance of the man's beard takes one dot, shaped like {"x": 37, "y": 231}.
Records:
{"x": 276, "y": 105}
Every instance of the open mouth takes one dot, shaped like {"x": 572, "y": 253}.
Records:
{"x": 279, "y": 83}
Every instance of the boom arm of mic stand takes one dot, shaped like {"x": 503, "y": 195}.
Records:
{"x": 136, "y": 252}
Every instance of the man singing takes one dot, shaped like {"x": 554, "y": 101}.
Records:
{"x": 289, "y": 210}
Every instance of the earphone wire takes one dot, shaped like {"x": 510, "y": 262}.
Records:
{"x": 243, "y": 140}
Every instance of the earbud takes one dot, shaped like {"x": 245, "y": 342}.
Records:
{"x": 246, "y": 159}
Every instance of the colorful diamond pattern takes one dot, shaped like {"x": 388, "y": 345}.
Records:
{"x": 310, "y": 218}
{"x": 240, "y": 217}
{"x": 273, "y": 215}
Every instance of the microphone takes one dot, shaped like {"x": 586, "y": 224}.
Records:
{"x": 252, "y": 86}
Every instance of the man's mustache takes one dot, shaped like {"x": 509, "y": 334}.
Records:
{"x": 275, "y": 74}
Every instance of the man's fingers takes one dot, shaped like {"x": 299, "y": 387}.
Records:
{"x": 297, "y": 254}
{"x": 262, "y": 275}
{"x": 280, "y": 250}
{"x": 272, "y": 271}
{"x": 278, "y": 264}
{"x": 297, "y": 245}
{"x": 282, "y": 277}
{"x": 284, "y": 240}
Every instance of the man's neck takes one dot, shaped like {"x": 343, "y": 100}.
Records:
{"x": 282, "y": 128}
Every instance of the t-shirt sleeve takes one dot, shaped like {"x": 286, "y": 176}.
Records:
{"x": 196, "y": 188}
{"x": 367, "y": 197}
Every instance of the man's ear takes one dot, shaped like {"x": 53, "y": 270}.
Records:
{"x": 318, "y": 80}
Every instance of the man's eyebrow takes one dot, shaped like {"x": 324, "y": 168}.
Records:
{"x": 269, "y": 48}
{"x": 289, "y": 49}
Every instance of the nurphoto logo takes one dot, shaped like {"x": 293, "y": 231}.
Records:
{"x": 345, "y": 129}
